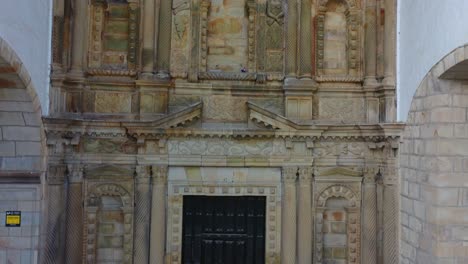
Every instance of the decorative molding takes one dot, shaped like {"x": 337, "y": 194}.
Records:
{"x": 290, "y": 175}
{"x": 56, "y": 174}
{"x": 75, "y": 173}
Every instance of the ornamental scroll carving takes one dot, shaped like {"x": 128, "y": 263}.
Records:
{"x": 338, "y": 61}
{"x": 274, "y": 36}
{"x": 113, "y": 37}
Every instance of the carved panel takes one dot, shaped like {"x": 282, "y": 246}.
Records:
{"x": 225, "y": 108}
{"x": 274, "y": 36}
{"x": 113, "y": 103}
{"x": 226, "y": 147}
{"x": 105, "y": 145}
{"x": 180, "y": 38}
{"x": 342, "y": 109}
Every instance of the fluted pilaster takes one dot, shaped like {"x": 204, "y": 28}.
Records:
{"x": 304, "y": 211}
{"x": 390, "y": 217}
{"x": 74, "y": 229}
{"x": 142, "y": 215}
{"x": 158, "y": 215}
{"x": 288, "y": 242}
{"x": 164, "y": 38}
{"x": 55, "y": 237}
{"x": 369, "y": 218}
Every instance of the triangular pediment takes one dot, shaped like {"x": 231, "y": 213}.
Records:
{"x": 269, "y": 120}
{"x": 340, "y": 171}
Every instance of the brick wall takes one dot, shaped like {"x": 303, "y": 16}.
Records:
{"x": 434, "y": 165}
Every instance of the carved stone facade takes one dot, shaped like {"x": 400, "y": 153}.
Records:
{"x": 153, "y": 101}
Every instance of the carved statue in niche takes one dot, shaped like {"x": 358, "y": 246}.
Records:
{"x": 274, "y": 36}
{"x": 179, "y": 43}
{"x": 113, "y": 35}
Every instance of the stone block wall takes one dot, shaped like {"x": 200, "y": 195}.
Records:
{"x": 20, "y": 244}
{"x": 434, "y": 160}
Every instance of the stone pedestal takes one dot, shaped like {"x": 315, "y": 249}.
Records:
{"x": 288, "y": 242}
{"x": 158, "y": 215}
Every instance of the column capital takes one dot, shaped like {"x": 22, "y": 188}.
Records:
{"x": 289, "y": 174}
{"x": 75, "y": 173}
{"x": 390, "y": 176}
{"x": 160, "y": 174}
{"x": 143, "y": 173}
{"x": 371, "y": 175}
{"x": 305, "y": 174}
{"x": 56, "y": 174}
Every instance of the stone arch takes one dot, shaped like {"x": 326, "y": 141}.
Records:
{"x": 338, "y": 191}
{"x": 433, "y": 164}
{"x": 23, "y": 146}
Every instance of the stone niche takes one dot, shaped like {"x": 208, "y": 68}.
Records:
{"x": 231, "y": 40}
{"x": 338, "y": 40}
{"x": 113, "y": 36}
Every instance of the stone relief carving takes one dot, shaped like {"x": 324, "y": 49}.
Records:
{"x": 103, "y": 145}
{"x": 345, "y": 149}
{"x": 225, "y": 108}
{"x": 226, "y": 147}
{"x": 179, "y": 43}
{"x": 274, "y": 36}
{"x": 342, "y": 109}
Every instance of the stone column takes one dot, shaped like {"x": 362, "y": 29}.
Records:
{"x": 371, "y": 44}
{"x": 304, "y": 216}
{"x": 148, "y": 38}
{"x": 164, "y": 39}
{"x": 80, "y": 26}
{"x": 74, "y": 229}
{"x": 291, "y": 39}
{"x": 369, "y": 218}
{"x": 306, "y": 40}
{"x": 55, "y": 237}
{"x": 389, "y": 43}
{"x": 288, "y": 231}
{"x": 158, "y": 215}
{"x": 142, "y": 215}
{"x": 390, "y": 217}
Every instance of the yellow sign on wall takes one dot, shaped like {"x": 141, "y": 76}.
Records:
{"x": 13, "y": 218}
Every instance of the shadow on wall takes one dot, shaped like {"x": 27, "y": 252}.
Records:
{"x": 434, "y": 166}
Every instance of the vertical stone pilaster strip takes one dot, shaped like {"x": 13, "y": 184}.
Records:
{"x": 288, "y": 231}
{"x": 389, "y": 43}
{"x": 390, "y": 217}
{"x": 142, "y": 215}
{"x": 304, "y": 212}
{"x": 369, "y": 218}
{"x": 371, "y": 44}
{"x": 57, "y": 35}
{"x": 55, "y": 238}
{"x": 74, "y": 229}
{"x": 291, "y": 39}
{"x": 195, "y": 43}
{"x": 306, "y": 40}
{"x": 79, "y": 36}
{"x": 158, "y": 215}
{"x": 147, "y": 59}
{"x": 164, "y": 38}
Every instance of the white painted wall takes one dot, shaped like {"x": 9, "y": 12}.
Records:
{"x": 26, "y": 26}
{"x": 427, "y": 31}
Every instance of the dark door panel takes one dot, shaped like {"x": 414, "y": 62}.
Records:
{"x": 223, "y": 230}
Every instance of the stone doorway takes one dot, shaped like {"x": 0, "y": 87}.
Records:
{"x": 224, "y": 229}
